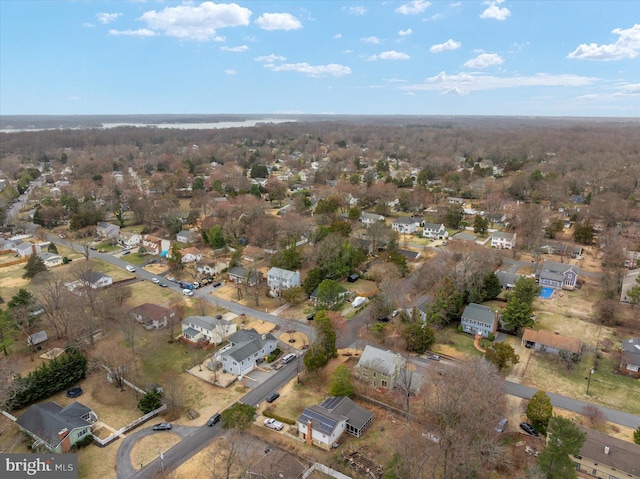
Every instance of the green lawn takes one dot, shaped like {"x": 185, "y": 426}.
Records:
{"x": 135, "y": 258}
{"x": 449, "y": 338}
{"x": 161, "y": 358}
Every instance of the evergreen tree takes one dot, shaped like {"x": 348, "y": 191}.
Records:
{"x": 341, "y": 384}
{"x": 540, "y": 410}
{"x": 491, "y": 286}
{"x": 517, "y": 313}
{"x": 238, "y": 417}
{"x": 564, "y": 439}
{"x": 34, "y": 266}
{"x": 418, "y": 337}
{"x": 502, "y": 355}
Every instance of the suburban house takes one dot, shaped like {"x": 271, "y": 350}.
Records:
{"x": 547, "y": 342}
{"x": 497, "y": 218}
{"x": 152, "y": 316}
{"x": 405, "y": 225}
{"x": 630, "y": 357}
{"x": 206, "y": 329}
{"x": 130, "y": 239}
{"x": 95, "y": 279}
{"x": 191, "y": 255}
{"x": 246, "y": 349}
{"x": 434, "y": 231}
{"x": 380, "y": 368}
{"x": 368, "y": 219}
{"x": 557, "y": 275}
{"x": 322, "y": 425}
{"x": 507, "y": 280}
{"x": 107, "y": 230}
{"x": 239, "y": 275}
{"x": 453, "y": 200}
{"x": 55, "y": 427}
{"x": 186, "y": 236}
{"x": 278, "y": 278}
{"x": 478, "y": 319}
{"x": 629, "y": 282}
{"x": 342, "y": 295}
{"x": 562, "y": 249}
{"x": 605, "y": 456}
{"x": 27, "y": 249}
{"x": 206, "y": 267}
{"x": 37, "y": 338}
{"x": 154, "y": 245}
{"x": 503, "y": 240}
{"x": 465, "y": 237}
{"x": 50, "y": 259}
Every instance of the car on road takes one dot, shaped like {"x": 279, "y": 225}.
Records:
{"x": 528, "y": 428}
{"x": 163, "y": 285}
{"x": 170, "y": 278}
{"x": 272, "y": 397}
{"x": 214, "y": 419}
{"x": 161, "y": 426}
{"x": 74, "y": 392}
{"x": 125, "y": 253}
{"x": 433, "y": 357}
{"x": 196, "y": 285}
{"x": 61, "y": 236}
{"x": 187, "y": 292}
{"x": 216, "y": 284}
{"x": 502, "y": 425}
{"x": 273, "y": 424}
{"x": 155, "y": 280}
{"x": 130, "y": 268}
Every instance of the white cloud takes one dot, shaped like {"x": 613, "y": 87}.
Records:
{"x": 468, "y": 82}
{"x": 455, "y": 91}
{"x": 629, "y": 90}
{"x": 627, "y": 46}
{"x": 106, "y": 18}
{"x": 410, "y": 93}
{"x": 494, "y": 11}
{"x": 230, "y": 72}
{"x": 587, "y": 97}
{"x": 389, "y": 55}
{"x": 448, "y": 45}
{"x": 455, "y": 4}
{"x": 337, "y": 36}
{"x": 270, "y": 58}
{"x": 239, "y": 48}
{"x": 357, "y": 10}
{"x": 413, "y": 8}
{"x": 394, "y": 80}
{"x": 141, "y": 32}
{"x": 372, "y": 39}
{"x": 196, "y": 22}
{"x": 278, "y": 21}
{"x": 484, "y": 60}
{"x": 405, "y": 33}
{"x": 332, "y": 69}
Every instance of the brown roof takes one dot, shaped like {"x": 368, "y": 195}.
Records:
{"x": 278, "y": 463}
{"x": 552, "y": 340}
{"x": 193, "y": 250}
{"x": 151, "y": 311}
{"x": 623, "y": 456}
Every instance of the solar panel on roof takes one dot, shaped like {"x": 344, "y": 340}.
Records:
{"x": 331, "y": 402}
{"x": 326, "y": 424}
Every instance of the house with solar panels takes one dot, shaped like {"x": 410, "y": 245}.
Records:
{"x": 322, "y": 425}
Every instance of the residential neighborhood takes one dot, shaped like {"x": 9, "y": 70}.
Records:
{"x": 321, "y": 295}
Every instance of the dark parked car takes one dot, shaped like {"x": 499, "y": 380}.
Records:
{"x": 272, "y": 397}
{"x": 74, "y": 392}
{"x": 216, "y": 284}
{"x": 162, "y": 285}
{"x": 214, "y": 419}
{"x": 528, "y": 428}
{"x": 162, "y": 426}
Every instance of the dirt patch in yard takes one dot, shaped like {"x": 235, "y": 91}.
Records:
{"x": 156, "y": 268}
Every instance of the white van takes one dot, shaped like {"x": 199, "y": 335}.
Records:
{"x": 288, "y": 358}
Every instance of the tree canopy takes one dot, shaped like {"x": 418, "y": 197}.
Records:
{"x": 564, "y": 439}
{"x": 341, "y": 384}
{"x": 238, "y": 417}
{"x": 540, "y": 410}
{"x": 501, "y": 355}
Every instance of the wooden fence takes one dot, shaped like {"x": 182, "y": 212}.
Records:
{"x": 128, "y": 427}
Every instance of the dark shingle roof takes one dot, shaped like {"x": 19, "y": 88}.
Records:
{"x": 46, "y": 420}
{"x": 477, "y": 312}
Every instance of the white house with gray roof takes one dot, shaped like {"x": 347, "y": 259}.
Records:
{"x": 50, "y": 259}
{"x": 282, "y": 278}
{"x": 503, "y": 240}
{"x": 246, "y": 348}
{"x": 557, "y": 275}
{"x": 630, "y": 357}
{"x": 434, "y": 231}
{"x": 479, "y": 319}
{"x": 322, "y": 425}
{"x": 368, "y": 219}
{"x": 207, "y": 329}
{"x": 405, "y": 225}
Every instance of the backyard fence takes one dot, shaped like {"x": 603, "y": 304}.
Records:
{"x": 128, "y": 427}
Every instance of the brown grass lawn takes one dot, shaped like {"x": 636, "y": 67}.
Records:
{"x": 149, "y": 447}
{"x": 147, "y": 292}
{"x": 94, "y": 461}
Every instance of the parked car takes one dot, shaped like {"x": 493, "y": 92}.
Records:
{"x": 433, "y": 357}
{"x": 196, "y": 285}
{"x": 502, "y": 425}
{"x": 528, "y": 428}
{"x": 161, "y": 426}
{"x": 214, "y": 419}
{"x": 206, "y": 280}
{"x": 61, "y": 236}
{"x": 155, "y": 280}
{"x": 187, "y": 292}
{"x": 272, "y": 397}
{"x": 287, "y": 358}
{"x": 130, "y": 268}
{"x": 162, "y": 285}
{"x": 170, "y": 278}
{"x": 216, "y": 284}
{"x": 273, "y": 424}
{"x": 125, "y": 253}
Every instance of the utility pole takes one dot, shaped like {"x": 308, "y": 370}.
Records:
{"x": 589, "y": 379}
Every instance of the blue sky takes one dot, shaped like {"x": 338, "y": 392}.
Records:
{"x": 496, "y": 57}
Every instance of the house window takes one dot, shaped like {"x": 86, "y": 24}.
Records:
{"x": 375, "y": 375}
{"x": 82, "y": 433}
{"x": 384, "y": 384}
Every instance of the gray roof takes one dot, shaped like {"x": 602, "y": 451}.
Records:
{"x": 433, "y": 226}
{"x": 503, "y": 234}
{"x": 477, "y": 312}
{"x": 631, "y": 351}
{"x": 378, "y": 360}
{"x": 464, "y": 237}
{"x": 190, "y": 332}
{"x": 92, "y": 277}
{"x": 507, "y": 279}
{"x": 281, "y": 273}
{"x": 37, "y": 338}
{"x": 46, "y": 420}
{"x": 622, "y": 455}
{"x": 357, "y": 416}
{"x": 45, "y": 255}
{"x": 321, "y": 420}
{"x": 206, "y": 322}
{"x": 405, "y": 220}
{"x": 246, "y": 342}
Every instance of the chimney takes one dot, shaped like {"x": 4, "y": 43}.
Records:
{"x": 62, "y": 434}
{"x": 606, "y": 449}
{"x": 33, "y": 250}
{"x": 264, "y": 337}
{"x": 309, "y": 433}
